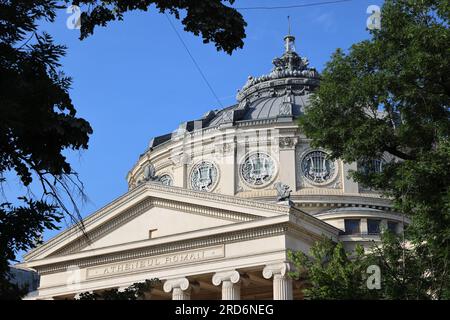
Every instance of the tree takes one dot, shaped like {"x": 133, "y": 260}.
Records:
{"x": 329, "y": 272}
{"x": 390, "y": 96}
{"x": 212, "y": 19}
{"x": 19, "y": 229}
{"x": 38, "y": 120}
{"x": 137, "y": 291}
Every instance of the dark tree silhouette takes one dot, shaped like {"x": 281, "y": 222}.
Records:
{"x": 137, "y": 291}
{"x": 211, "y": 19}
{"x": 391, "y": 95}
{"x": 38, "y": 119}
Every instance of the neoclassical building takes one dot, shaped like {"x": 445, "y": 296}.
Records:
{"x": 213, "y": 207}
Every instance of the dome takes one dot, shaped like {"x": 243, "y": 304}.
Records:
{"x": 279, "y": 96}
{"x": 269, "y": 108}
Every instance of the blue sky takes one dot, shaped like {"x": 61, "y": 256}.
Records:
{"x": 134, "y": 80}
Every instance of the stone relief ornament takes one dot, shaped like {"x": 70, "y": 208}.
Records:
{"x": 283, "y": 191}
{"x": 166, "y": 180}
{"x": 204, "y": 176}
{"x": 286, "y": 142}
{"x": 257, "y": 169}
{"x": 223, "y": 149}
{"x": 371, "y": 166}
{"x": 286, "y": 107}
{"x": 227, "y": 116}
{"x": 317, "y": 168}
{"x": 337, "y": 185}
{"x": 149, "y": 174}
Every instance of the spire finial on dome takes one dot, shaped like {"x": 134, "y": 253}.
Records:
{"x": 289, "y": 25}
{"x": 289, "y": 40}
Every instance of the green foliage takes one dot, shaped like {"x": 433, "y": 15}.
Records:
{"x": 136, "y": 291}
{"x": 38, "y": 119}
{"x": 331, "y": 273}
{"x": 390, "y": 95}
{"x": 20, "y": 229}
{"x": 211, "y": 19}
{"x": 328, "y": 272}
{"x": 405, "y": 269}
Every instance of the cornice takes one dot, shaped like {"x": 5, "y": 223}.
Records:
{"x": 313, "y": 220}
{"x": 390, "y": 215}
{"x": 220, "y": 198}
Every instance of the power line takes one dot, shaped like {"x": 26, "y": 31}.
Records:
{"x": 292, "y": 6}
{"x": 193, "y": 60}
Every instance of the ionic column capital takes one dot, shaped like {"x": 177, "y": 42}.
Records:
{"x": 277, "y": 269}
{"x": 181, "y": 283}
{"x": 233, "y": 276}
{"x": 180, "y": 288}
{"x": 231, "y": 287}
{"x": 282, "y": 284}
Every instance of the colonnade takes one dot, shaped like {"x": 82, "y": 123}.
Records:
{"x": 232, "y": 281}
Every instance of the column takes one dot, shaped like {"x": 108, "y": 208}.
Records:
{"x": 180, "y": 288}
{"x": 282, "y": 284}
{"x": 231, "y": 287}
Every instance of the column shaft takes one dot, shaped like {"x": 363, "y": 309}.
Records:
{"x": 282, "y": 287}
{"x": 230, "y": 291}
{"x": 179, "y": 294}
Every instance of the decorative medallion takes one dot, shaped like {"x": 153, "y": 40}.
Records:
{"x": 372, "y": 166}
{"x": 317, "y": 168}
{"x": 204, "y": 176}
{"x": 166, "y": 180}
{"x": 257, "y": 169}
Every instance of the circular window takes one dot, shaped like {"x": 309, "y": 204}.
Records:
{"x": 166, "y": 180}
{"x": 371, "y": 166}
{"x": 204, "y": 176}
{"x": 257, "y": 169}
{"x": 317, "y": 168}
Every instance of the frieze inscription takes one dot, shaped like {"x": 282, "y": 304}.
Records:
{"x": 156, "y": 262}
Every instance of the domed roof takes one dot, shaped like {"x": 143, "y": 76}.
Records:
{"x": 279, "y": 96}
{"x": 268, "y": 108}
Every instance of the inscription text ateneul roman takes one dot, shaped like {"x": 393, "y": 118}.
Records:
{"x": 157, "y": 261}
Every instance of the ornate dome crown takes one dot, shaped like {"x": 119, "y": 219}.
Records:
{"x": 290, "y": 74}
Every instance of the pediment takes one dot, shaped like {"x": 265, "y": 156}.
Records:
{"x": 165, "y": 210}
{"x": 156, "y": 222}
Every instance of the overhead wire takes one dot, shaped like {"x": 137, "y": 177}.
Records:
{"x": 194, "y": 61}
{"x": 197, "y": 66}
{"x": 292, "y": 6}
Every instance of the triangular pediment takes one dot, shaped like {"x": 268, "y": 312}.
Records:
{"x": 154, "y": 211}
{"x": 156, "y": 222}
